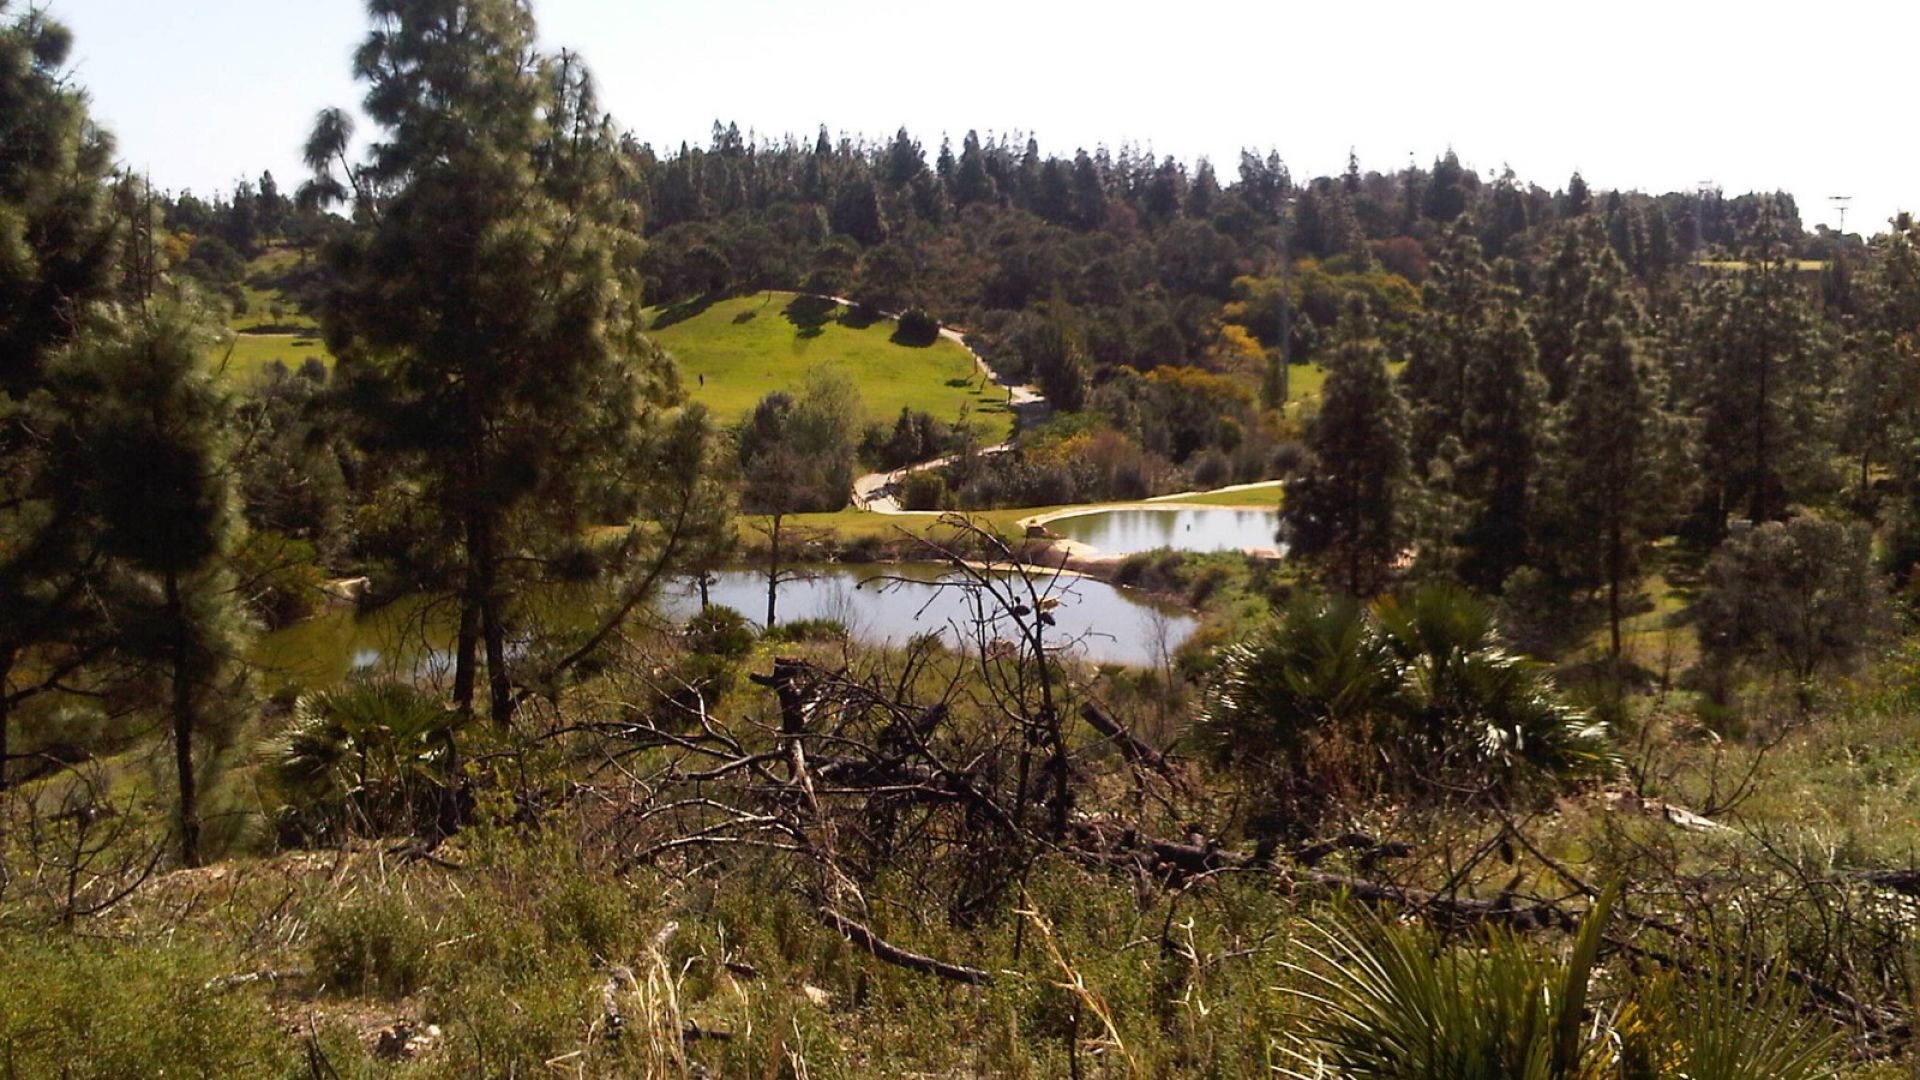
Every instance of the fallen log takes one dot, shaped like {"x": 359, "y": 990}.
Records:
{"x": 1135, "y": 751}
{"x": 893, "y": 954}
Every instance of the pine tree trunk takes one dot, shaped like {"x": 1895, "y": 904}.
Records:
{"x": 467, "y": 648}
{"x": 6, "y": 709}
{"x": 183, "y": 724}
{"x": 492, "y": 627}
{"x": 1616, "y": 569}
{"x": 1761, "y": 508}
{"x": 773, "y": 571}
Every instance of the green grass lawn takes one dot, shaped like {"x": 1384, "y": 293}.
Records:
{"x": 1306, "y": 381}
{"x": 1264, "y": 495}
{"x": 1804, "y": 266}
{"x": 734, "y": 352}
{"x": 261, "y": 301}
{"x": 251, "y": 354}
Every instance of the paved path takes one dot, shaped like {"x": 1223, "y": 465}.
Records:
{"x": 875, "y": 491}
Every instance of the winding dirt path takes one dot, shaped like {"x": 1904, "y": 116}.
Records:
{"x": 875, "y": 491}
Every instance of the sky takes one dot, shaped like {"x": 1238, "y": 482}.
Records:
{"x": 1635, "y": 94}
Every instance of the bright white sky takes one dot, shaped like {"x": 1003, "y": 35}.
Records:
{"x": 1649, "y": 94}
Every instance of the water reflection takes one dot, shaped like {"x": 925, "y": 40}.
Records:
{"x": 878, "y": 605}
{"x": 1133, "y": 530}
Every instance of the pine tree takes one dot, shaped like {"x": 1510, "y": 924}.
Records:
{"x": 1499, "y": 444}
{"x": 59, "y": 256}
{"x": 1755, "y": 382}
{"x": 971, "y": 181}
{"x": 147, "y": 449}
{"x": 1615, "y": 471}
{"x": 487, "y": 326}
{"x": 1445, "y": 197}
{"x": 1458, "y": 299}
{"x": 1345, "y": 511}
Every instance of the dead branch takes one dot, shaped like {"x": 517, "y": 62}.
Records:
{"x": 893, "y": 954}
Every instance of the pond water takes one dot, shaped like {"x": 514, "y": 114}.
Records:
{"x": 1133, "y": 530}
{"x": 878, "y": 605}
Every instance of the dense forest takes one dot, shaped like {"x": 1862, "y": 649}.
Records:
{"x": 1562, "y": 723}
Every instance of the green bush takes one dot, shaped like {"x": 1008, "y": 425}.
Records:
{"x": 371, "y": 945}
{"x": 720, "y": 631}
{"x": 800, "y": 630}
{"x": 917, "y": 328}
{"x": 366, "y": 758}
{"x": 924, "y": 491}
{"x": 71, "y": 1007}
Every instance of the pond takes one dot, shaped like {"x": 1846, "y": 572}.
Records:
{"x": 1137, "y": 529}
{"x": 878, "y": 605}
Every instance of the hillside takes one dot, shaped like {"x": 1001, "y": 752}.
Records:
{"x": 271, "y": 323}
{"x": 734, "y": 352}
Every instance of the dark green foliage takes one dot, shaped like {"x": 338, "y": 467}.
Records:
{"x": 370, "y": 759}
{"x": 720, "y": 631}
{"x": 487, "y": 330}
{"x": 59, "y": 251}
{"x": 1346, "y": 512}
{"x": 1499, "y": 447}
{"x": 1800, "y": 596}
{"x": 1754, "y": 373}
{"x": 146, "y": 455}
{"x": 1617, "y": 471}
{"x": 800, "y": 630}
{"x": 1335, "y": 699}
{"x": 917, "y": 328}
{"x": 796, "y": 454}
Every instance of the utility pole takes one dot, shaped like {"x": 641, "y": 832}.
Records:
{"x": 1840, "y": 203}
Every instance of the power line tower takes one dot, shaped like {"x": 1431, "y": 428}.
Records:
{"x": 1840, "y": 203}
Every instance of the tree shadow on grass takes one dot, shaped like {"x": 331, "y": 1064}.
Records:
{"x": 810, "y": 314}
{"x": 682, "y": 311}
{"x": 860, "y": 316}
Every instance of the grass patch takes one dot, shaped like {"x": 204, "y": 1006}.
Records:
{"x": 734, "y": 352}
{"x": 1267, "y": 494}
{"x": 247, "y": 356}
{"x": 1803, "y": 266}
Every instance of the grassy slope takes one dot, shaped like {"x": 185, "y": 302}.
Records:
{"x": 748, "y": 347}
{"x": 253, "y": 351}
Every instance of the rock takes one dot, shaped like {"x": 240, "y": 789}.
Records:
{"x": 348, "y": 590}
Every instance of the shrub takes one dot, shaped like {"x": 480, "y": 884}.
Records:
{"x": 366, "y": 757}
{"x": 83, "y": 1009}
{"x": 924, "y": 491}
{"x": 1799, "y": 597}
{"x": 371, "y": 945}
{"x": 800, "y": 630}
{"x": 1427, "y": 685}
{"x": 1396, "y": 1002}
{"x": 720, "y": 631}
{"x": 284, "y": 577}
{"x": 917, "y": 328}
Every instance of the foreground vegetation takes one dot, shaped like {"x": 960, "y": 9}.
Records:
{"x": 1575, "y": 738}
